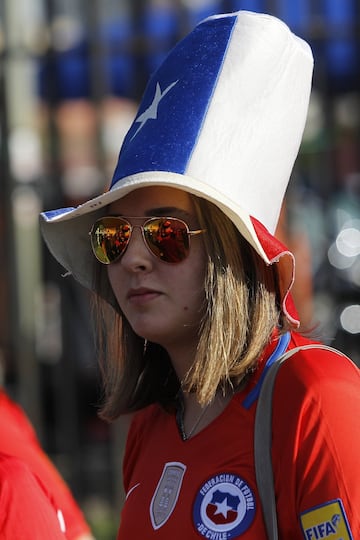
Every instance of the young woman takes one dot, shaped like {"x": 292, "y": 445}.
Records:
{"x": 193, "y": 298}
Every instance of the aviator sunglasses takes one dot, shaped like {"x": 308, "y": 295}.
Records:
{"x": 167, "y": 238}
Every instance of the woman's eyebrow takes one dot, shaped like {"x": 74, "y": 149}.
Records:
{"x": 161, "y": 211}
{"x": 167, "y": 211}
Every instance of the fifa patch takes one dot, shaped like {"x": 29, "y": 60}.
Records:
{"x": 326, "y": 521}
{"x": 166, "y": 493}
{"x": 224, "y": 507}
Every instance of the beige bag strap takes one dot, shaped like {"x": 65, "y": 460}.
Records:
{"x": 263, "y": 437}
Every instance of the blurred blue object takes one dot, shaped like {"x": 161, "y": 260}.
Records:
{"x": 64, "y": 74}
{"x": 341, "y": 50}
{"x": 160, "y": 27}
{"x": 197, "y": 11}
{"x": 118, "y": 61}
{"x": 250, "y": 5}
{"x": 297, "y": 14}
{"x": 128, "y": 47}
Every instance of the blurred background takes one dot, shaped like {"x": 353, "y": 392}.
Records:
{"x": 71, "y": 75}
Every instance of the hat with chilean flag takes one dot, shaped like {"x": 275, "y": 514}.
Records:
{"x": 222, "y": 118}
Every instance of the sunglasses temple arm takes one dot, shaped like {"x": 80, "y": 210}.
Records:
{"x": 198, "y": 231}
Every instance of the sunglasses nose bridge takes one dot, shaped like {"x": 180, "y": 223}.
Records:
{"x": 134, "y": 231}
{"x": 136, "y": 242}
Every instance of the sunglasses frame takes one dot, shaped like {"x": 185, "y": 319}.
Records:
{"x": 146, "y": 220}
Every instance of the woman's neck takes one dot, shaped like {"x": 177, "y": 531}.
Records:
{"x": 192, "y": 417}
{"x": 182, "y": 357}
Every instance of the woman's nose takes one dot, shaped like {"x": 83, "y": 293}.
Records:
{"x": 137, "y": 256}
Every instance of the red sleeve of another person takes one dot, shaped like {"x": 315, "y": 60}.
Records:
{"x": 19, "y": 439}
{"x": 26, "y": 511}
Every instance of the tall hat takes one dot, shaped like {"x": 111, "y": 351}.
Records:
{"x": 222, "y": 118}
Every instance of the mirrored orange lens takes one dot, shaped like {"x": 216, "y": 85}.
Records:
{"x": 109, "y": 238}
{"x": 167, "y": 238}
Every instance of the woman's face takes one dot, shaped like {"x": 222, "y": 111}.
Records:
{"x": 163, "y": 302}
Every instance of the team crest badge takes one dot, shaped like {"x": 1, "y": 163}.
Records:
{"x": 166, "y": 493}
{"x": 224, "y": 507}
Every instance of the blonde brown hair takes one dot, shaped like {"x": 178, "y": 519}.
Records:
{"x": 242, "y": 308}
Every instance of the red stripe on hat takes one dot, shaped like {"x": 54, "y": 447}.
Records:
{"x": 278, "y": 253}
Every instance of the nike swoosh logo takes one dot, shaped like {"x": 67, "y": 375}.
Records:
{"x": 131, "y": 490}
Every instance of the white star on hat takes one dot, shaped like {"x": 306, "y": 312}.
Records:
{"x": 151, "y": 112}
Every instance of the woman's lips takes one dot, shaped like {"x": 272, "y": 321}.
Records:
{"x": 142, "y": 295}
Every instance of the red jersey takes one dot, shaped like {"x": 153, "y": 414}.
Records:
{"x": 26, "y": 510}
{"x": 19, "y": 439}
{"x": 205, "y": 487}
